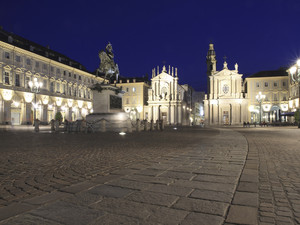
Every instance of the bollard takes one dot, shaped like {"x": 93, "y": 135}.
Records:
{"x": 37, "y": 125}
{"x": 103, "y": 125}
{"x": 138, "y": 125}
{"x": 157, "y": 125}
{"x": 129, "y": 126}
{"x": 152, "y": 125}
{"x": 145, "y": 125}
{"x": 162, "y": 127}
{"x": 56, "y": 125}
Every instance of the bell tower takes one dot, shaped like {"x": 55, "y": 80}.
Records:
{"x": 211, "y": 60}
{"x": 211, "y": 63}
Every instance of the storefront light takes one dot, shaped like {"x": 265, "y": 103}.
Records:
{"x": 70, "y": 102}
{"x": 28, "y": 97}
{"x": 16, "y": 104}
{"x": 58, "y": 101}
{"x": 7, "y": 94}
{"x": 79, "y": 103}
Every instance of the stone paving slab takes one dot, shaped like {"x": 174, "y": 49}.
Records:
{"x": 142, "y": 180}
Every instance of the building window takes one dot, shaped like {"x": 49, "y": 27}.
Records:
{"x": 127, "y": 89}
{"x": 37, "y": 64}
{"x": 275, "y": 97}
{"x": 18, "y": 58}
{"x": 7, "y": 55}
{"x": 74, "y": 76}
{"x": 275, "y": 84}
{"x": 64, "y": 89}
{"x": 64, "y": 73}
{"x": 6, "y": 78}
{"x": 52, "y": 69}
{"x": 28, "y": 62}
{"x": 266, "y": 84}
{"x": 133, "y": 89}
{"x": 58, "y": 71}
{"x": 17, "y": 82}
{"x": 257, "y": 84}
{"x": 45, "y": 67}
{"x": 70, "y": 90}
{"x": 57, "y": 87}
{"x": 52, "y": 86}
{"x": 284, "y": 98}
{"x": 127, "y": 100}
{"x": 89, "y": 96}
{"x": 75, "y": 92}
{"x": 45, "y": 84}
{"x": 92, "y": 81}
{"x": 69, "y": 74}
{"x": 79, "y": 77}
{"x": 283, "y": 83}
{"x": 27, "y": 79}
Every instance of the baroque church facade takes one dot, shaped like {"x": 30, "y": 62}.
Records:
{"x": 167, "y": 99}
{"x": 225, "y": 103}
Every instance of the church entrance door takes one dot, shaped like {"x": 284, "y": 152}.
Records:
{"x": 225, "y": 118}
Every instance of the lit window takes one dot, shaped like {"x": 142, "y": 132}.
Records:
{"x": 27, "y": 79}
{"x": 133, "y": 89}
{"x": 6, "y": 77}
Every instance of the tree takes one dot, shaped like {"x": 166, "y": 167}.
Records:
{"x": 59, "y": 117}
{"x": 297, "y": 117}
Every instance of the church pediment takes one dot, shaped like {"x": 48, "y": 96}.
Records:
{"x": 163, "y": 76}
{"x": 226, "y": 73}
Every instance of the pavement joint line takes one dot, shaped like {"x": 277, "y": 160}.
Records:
{"x": 235, "y": 190}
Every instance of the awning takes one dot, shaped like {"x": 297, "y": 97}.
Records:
{"x": 287, "y": 114}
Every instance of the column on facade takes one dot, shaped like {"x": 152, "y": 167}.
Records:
{"x": 210, "y": 95}
{"x": 26, "y": 117}
{"x": 211, "y": 114}
{"x": 45, "y": 113}
{"x": 179, "y": 115}
{"x": 7, "y": 112}
{"x": 1, "y": 109}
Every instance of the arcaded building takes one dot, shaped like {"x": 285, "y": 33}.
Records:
{"x": 64, "y": 84}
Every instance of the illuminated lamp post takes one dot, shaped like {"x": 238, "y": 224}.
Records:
{"x": 259, "y": 98}
{"x": 295, "y": 76}
{"x": 35, "y": 88}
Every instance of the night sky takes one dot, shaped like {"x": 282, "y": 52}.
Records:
{"x": 258, "y": 35}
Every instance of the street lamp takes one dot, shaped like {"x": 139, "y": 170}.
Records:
{"x": 259, "y": 98}
{"x": 35, "y": 87}
{"x": 295, "y": 75}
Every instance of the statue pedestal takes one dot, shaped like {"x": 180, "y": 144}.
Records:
{"x": 107, "y": 106}
{"x": 107, "y": 99}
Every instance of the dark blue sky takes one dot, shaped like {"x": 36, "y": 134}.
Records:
{"x": 258, "y": 35}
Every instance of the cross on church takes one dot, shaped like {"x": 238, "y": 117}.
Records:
{"x": 224, "y": 58}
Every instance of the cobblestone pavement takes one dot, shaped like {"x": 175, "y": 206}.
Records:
{"x": 277, "y": 151}
{"x": 188, "y": 176}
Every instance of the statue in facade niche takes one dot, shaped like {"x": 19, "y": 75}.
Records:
{"x": 107, "y": 68}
